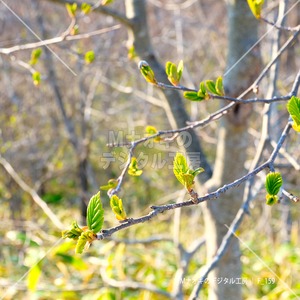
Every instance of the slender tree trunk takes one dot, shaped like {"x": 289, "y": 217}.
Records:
{"x": 231, "y": 151}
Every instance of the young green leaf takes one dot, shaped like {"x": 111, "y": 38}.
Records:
{"x": 202, "y": 92}
{"x": 211, "y": 86}
{"x": 273, "y": 183}
{"x": 71, "y": 8}
{"x": 179, "y": 70}
{"x": 293, "y": 107}
{"x": 271, "y": 199}
{"x": 133, "y": 169}
{"x": 193, "y": 96}
{"x": 111, "y": 184}
{"x": 36, "y": 77}
{"x": 84, "y": 241}
{"x": 95, "y": 212}
{"x": 197, "y": 171}
{"x": 74, "y": 233}
{"x": 180, "y": 167}
{"x": 116, "y": 205}
{"x": 220, "y": 87}
{"x": 85, "y": 8}
{"x": 147, "y": 72}
{"x": 256, "y": 7}
{"x": 89, "y": 57}
{"x": 35, "y": 55}
{"x": 151, "y": 130}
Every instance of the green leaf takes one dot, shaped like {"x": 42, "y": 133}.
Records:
{"x": 151, "y": 130}
{"x": 74, "y": 233}
{"x": 220, "y": 87}
{"x": 89, "y": 57}
{"x": 111, "y": 184}
{"x": 95, "y": 212}
{"x": 256, "y": 7}
{"x": 293, "y": 107}
{"x": 179, "y": 70}
{"x": 273, "y": 183}
{"x": 116, "y": 205}
{"x": 147, "y": 72}
{"x": 197, "y": 171}
{"x": 211, "y": 86}
{"x": 84, "y": 241}
{"x": 271, "y": 199}
{"x": 33, "y": 277}
{"x": 180, "y": 167}
{"x": 35, "y": 55}
{"x": 36, "y": 77}
{"x": 133, "y": 169}
{"x": 193, "y": 96}
{"x": 202, "y": 92}
{"x": 71, "y": 8}
{"x": 85, "y": 8}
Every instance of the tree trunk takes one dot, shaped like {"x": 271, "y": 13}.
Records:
{"x": 231, "y": 151}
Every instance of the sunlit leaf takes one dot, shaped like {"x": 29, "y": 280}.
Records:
{"x": 71, "y": 8}
{"x": 89, "y": 57}
{"x": 116, "y": 205}
{"x": 180, "y": 167}
{"x": 256, "y": 7}
{"x": 220, "y": 87}
{"x": 193, "y": 96}
{"x": 273, "y": 183}
{"x": 35, "y": 55}
{"x": 74, "y": 233}
{"x": 111, "y": 184}
{"x": 179, "y": 70}
{"x": 133, "y": 169}
{"x": 151, "y": 130}
{"x": 147, "y": 72}
{"x": 95, "y": 213}
{"x": 36, "y": 77}
{"x": 271, "y": 199}
{"x": 85, "y": 8}
{"x": 293, "y": 107}
{"x": 211, "y": 86}
{"x": 106, "y": 2}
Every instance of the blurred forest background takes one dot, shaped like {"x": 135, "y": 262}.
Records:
{"x": 53, "y": 147}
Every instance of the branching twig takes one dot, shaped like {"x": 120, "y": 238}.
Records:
{"x": 36, "y": 198}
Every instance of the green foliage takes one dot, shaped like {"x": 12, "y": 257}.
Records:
{"x": 111, "y": 184}
{"x": 95, "y": 212}
{"x": 36, "y": 77}
{"x": 209, "y": 86}
{"x": 71, "y": 9}
{"x": 133, "y": 169}
{"x": 256, "y": 7}
{"x": 116, "y": 205}
{"x": 151, "y": 130}
{"x": 174, "y": 72}
{"x": 89, "y": 57}
{"x": 35, "y": 55}
{"x": 293, "y": 107}
{"x": 84, "y": 241}
{"x": 85, "y": 8}
{"x": 182, "y": 172}
{"x": 74, "y": 233}
{"x": 273, "y": 185}
{"x": 147, "y": 72}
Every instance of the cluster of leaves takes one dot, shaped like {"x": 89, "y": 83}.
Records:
{"x": 183, "y": 173}
{"x": 273, "y": 185}
{"x": 72, "y": 9}
{"x": 174, "y": 73}
{"x": 86, "y": 235}
{"x": 209, "y": 86}
{"x": 293, "y": 108}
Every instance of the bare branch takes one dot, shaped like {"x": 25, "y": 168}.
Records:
{"x": 35, "y": 197}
